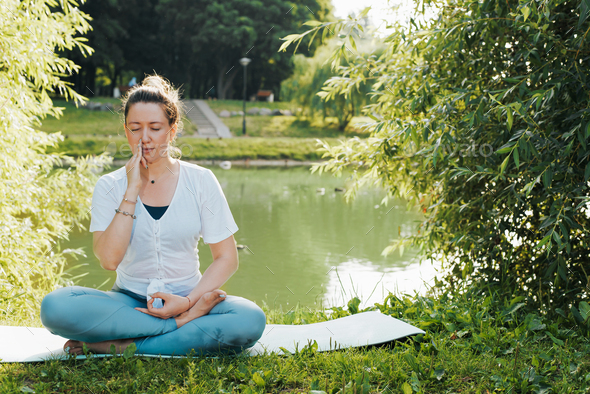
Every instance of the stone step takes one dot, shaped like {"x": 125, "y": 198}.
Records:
{"x": 208, "y": 123}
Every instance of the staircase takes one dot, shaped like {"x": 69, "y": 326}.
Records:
{"x": 207, "y": 122}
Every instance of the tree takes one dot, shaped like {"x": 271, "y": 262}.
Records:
{"x": 125, "y": 36}
{"x": 209, "y": 37}
{"x": 305, "y": 86}
{"x": 105, "y": 36}
{"x": 38, "y": 204}
{"x": 309, "y": 75}
{"x": 196, "y": 44}
{"x": 482, "y": 121}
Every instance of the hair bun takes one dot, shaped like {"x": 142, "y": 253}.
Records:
{"x": 157, "y": 82}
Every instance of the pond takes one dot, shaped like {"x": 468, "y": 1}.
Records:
{"x": 303, "y": 243}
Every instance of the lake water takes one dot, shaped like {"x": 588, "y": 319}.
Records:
{"x": 305, "y": 244}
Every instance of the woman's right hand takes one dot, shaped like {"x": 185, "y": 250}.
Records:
{"x": 132, "y": 168}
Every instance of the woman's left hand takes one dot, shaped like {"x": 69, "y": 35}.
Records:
{"x": 173, "y": 306}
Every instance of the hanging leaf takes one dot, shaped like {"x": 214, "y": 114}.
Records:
{"x": 526, "y": 11}
{"x": 504, "y": 164}
{"x": 557, "y": 238}
{"x": 435, "y": 153}
{"x": 584, "y": 9}
{"x": 543, "y": 241}
{"x": 584, "y": 310}
{"x": 352, "y": 42}
{"x": 564, "y": 231}
{"x": 547, "y": 178}
{"x": 505, "y": 148}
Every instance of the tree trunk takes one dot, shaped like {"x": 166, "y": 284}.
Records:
{"x": 89, "y": 88}
{"x": 78, "y": 81}
{"x": 114, "y": 78}
{"x": 223, "y": 86}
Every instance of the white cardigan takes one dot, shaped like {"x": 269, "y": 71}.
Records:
{"x": 162, "y": 254}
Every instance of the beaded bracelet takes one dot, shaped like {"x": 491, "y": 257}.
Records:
{"x": 189, "y": 302}
{"x": 125, "y": 213}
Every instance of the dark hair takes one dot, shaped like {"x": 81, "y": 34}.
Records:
{"x": 155, "y": 89}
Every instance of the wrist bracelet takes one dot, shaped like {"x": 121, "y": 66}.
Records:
{"x": 125, "y": 213}
{"x": 189, "y": 302}
{"x": 129, "y": 201}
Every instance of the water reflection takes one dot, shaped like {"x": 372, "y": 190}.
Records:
{"x": 361, "y": 278}
{"x": 298, "y": 239}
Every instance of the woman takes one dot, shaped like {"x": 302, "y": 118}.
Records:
{"x": 147, "y": 218}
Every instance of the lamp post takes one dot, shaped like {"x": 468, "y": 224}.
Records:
{"x": 244, "y": 62}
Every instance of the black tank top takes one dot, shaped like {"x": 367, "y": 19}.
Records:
{"x": 156, "y": 212}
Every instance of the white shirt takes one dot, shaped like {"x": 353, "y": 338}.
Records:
{"x": 162, "y": 254}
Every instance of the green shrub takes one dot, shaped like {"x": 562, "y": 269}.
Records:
{"x": 38, "y": 205}
{"x": 482, "y": 120}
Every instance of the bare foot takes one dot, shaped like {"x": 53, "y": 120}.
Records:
{"x": 76, "y": 347}
{"x": 202, "y": 307}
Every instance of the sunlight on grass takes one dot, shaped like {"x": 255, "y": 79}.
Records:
{"x": 79, "y": 121}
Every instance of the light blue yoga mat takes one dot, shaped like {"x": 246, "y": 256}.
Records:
{"x": 28, "y": 344}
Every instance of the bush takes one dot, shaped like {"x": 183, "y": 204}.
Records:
{"x": 482, "y": 121}
{"x": 38, "y": 204}
{"x": 304, "y": 88}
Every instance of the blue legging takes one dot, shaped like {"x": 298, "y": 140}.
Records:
{"x": 91, "y": 315}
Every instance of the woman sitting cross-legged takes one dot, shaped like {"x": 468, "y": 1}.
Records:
{"x": 147, "y": 218}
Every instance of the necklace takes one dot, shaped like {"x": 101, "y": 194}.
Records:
{"x": 154, "y": 180}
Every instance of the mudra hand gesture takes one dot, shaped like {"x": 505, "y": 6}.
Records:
{"x": 176, "y": 305}
{"x": 173, "y": 305}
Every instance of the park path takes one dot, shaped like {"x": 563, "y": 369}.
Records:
{"x": 208, "y": 123}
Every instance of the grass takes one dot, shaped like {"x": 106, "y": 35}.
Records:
{"x": 284, "y": 126}
{"x": 268, "y": 137}
{"x": 471, "y": 345}
{"x": 81, "y": 121}
{"x": 236, "y": 105}
{"x": 293, "y": 126}
{"x": 202, "y": 149}
{"x": 78, "y": 121}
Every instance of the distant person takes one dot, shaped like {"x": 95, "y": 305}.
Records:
{"x": 147, "y": 219}
{"x": 133, "y": 82}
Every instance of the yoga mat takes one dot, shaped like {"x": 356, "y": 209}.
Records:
{"x": 28, "y": 344}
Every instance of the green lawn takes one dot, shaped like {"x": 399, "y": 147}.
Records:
{"x": 292, "y": 126}
{"x": 202, "y": 149}
{"x": 283, "y": 126}
{"x": 472, "y": 344}
{"x": 78, "y": 120}
{"x": 81, "y": 121}
{"x": 236, "y": 105}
